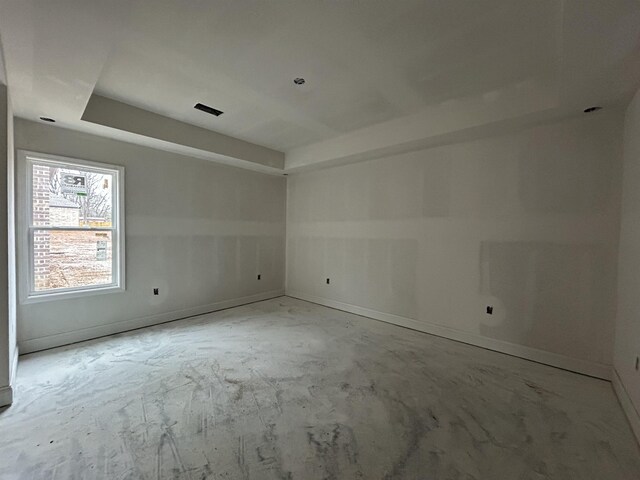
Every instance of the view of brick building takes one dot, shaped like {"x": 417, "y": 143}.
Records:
{"x": 66, "y": 258}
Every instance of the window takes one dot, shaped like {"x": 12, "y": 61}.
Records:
{"x": 75, "y": 225}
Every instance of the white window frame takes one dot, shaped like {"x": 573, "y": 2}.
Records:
{"x": 28, "y": 159}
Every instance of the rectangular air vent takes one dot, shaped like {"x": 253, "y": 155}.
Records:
{"x": 208, "y": 109}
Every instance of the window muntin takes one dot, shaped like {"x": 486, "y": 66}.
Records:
{"x": 74, "y": 227}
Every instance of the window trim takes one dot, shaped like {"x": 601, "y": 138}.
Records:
{"x": 29, "y": 295}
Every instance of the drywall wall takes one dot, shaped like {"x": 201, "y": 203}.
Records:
{"x": 526, "y": 222}
{"x": 627, "y": 338}
{"x": 6, "y": 349}
{"x": 199, "y": 231}
{"x": 11, "y": 245}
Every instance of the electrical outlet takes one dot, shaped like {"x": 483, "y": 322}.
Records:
{"x": 156, "y": 291}
{"x": 328, "y": 281}
{"x": 259, "y": 276}
{"x": 489, "y": 310}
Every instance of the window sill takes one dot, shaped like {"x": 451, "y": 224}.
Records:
{"x": 69, "y": 294}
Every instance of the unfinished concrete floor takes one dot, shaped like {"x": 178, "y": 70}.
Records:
{"x": 287, "y": 389}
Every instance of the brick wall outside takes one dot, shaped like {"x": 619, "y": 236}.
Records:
{"x": 41, "y": 216}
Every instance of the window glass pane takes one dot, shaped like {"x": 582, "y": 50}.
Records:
{"x": 68, "y": 196}
{"x": 71, "y": 259}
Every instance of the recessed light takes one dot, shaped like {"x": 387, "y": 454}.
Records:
{"x": 47, "y": 119}
{"x": 299, "y": 81}
{"x": 592, "y": 109}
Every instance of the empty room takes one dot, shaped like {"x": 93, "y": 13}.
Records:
{"x": 320, "y": 239}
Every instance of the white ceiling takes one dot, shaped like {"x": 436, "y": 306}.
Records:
{"x": 403, "y": 63}
{"x": 364, "y": 62}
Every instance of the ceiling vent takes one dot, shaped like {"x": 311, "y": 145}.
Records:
{"x": 207, "y": 109}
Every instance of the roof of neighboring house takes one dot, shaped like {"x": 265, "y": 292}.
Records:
{"x": 59, "y": 201}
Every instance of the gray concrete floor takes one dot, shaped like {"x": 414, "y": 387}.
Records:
{"x": 285, "y": 389}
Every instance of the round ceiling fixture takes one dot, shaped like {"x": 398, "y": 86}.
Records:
{"x": 299, "y": 81}
{"x": 592, "y": 109}
{"x": 47, "y": 119}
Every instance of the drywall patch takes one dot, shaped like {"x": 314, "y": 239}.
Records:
{"x": 552, "y": 295}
